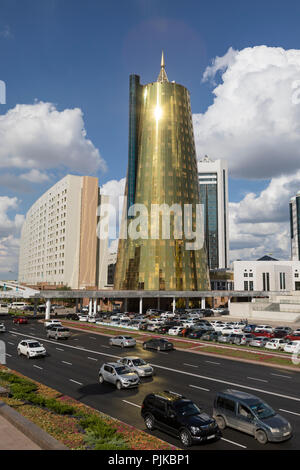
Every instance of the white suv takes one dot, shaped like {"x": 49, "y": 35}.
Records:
{"x": 31, "y": 348}
{"x": 2, "y": 328}
{"x": 119, "y": 375}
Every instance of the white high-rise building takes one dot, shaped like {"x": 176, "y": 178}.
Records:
{"x": 213, "y": 183}
{"x": 59, "y": 243}
{"x": 295, "y": 226}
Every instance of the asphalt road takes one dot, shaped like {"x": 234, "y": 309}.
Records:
{"x": 72, "y": 365}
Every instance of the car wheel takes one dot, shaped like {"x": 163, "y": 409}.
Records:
{"x": 221, "y": 422}
{"x": 122, "y": 345}
{"x": 149, "y": 422}
{"x": 185, "y": 438}
{"x": 118, "y": 385}
{"x": 261, "y": 436}
{"x": 101, "y": 379}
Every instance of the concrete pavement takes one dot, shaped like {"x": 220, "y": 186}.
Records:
{"x": 13, "y": 439}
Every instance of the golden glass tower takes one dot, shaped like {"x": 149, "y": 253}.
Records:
{"x": 162, "y": 169}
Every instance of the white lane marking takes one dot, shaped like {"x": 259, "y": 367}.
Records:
{"x": 234, "y": 443}
{"x": 103, "y": 346}
{"x": 200, "y": 388}
{"x": 71, "y": 380}
{"x": 38, "y": 367}
{"x": 92, "y": 337}
{"x": 9, "y": 355}
{"x": 190, "y": 365}
{"x": 92, "y": 358}
{"x": 133, "y": 404}
{"x": 11, "y": 343}
{"x": 69, "y": 363}
{"x": 280, "y": 375}
{"x": 292, "y": 412}
{"x": 58, "y": 349}
{"x": 260, "y": 380}
{"x": 14, "y": 335}
{"x": 212, "y": 379}
{"x": 212, "y": 362}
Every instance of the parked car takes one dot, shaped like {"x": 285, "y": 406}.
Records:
{"x": 123, "y": 341}
{"x": 293, "y": 337}
{"x": 224, "y": 338}
{"x": 276, "y": 343}
{"x": 137, "y": 365}
{"x": 292, "y": 347}
{"x": 249, "y": 328}
{"x": 31, "y": 348}
{"x": 243, "y": 338}
{"x": 175, "y": 330}
{"x": 258, "y": 341}
{"x": 119, "y": 375}
{"x": 284, "y": 330}
{"x": 160, "y": 344}
{"x": 2, "y": 328}
{"x": 52, "y": 322}
{"x": 196, "y": 334}
{"x": 178, "y": 416}
{"x": 261, "y": 328}
{"x": 83, "y": 317}
{"x": 267, "y": 334}
{"x": 211, "y": 336}
{"x": 72, "y": 316}
{"x": 249, "y": 414}
{"x": 20, "y": 320}
{"x": 58, "y": 332}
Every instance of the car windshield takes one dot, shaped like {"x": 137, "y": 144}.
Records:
{"x": 34, "y": 345}
{"x": 127, "y": 337}
{"x": 123, "y": 370}
{"x": 262, "y": 410}
{"x": 139, "y": 362}
{"x": 187, "y": 408}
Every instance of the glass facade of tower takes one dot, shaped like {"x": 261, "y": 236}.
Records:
{"x": 209, "y": 198}
{"x": 162, "y": 169}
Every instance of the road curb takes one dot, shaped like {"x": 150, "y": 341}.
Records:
{"x": 31, "y": 430}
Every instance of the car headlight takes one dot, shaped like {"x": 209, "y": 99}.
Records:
{"x": 195, "y": 429}
{"x": 275, "y": 430}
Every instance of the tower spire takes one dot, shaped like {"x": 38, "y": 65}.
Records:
{"x": 162, "y": 77}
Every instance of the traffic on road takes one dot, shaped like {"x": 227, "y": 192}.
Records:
{"x": 188, "y": 389}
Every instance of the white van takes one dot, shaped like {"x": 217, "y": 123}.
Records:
{"x": 18, "y": 305}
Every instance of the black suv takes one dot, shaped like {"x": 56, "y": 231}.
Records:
{"x": 178, "y": 416}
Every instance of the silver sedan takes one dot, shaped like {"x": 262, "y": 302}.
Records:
{"x": 123, "y": 341}
{"x": 137, "y": 365}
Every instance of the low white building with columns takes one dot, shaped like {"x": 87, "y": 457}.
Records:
{"x": 266, "y": 274}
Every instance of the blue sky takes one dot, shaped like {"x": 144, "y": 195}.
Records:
{"x": 79, "y": 54}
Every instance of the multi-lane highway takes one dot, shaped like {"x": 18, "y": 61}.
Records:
{"x": 72, "y": 365}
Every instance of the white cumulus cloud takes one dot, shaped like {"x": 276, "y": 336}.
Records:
{"x": 39, "y": 137}
{"x": 259, "y": 224}
{"x": 254, "y": 121}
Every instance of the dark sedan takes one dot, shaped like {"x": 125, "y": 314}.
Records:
{"x": 159, "y": 344}
{"x": 196, "y": 334}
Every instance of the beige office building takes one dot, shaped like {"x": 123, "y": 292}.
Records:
{"x": 59, "y": 243}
